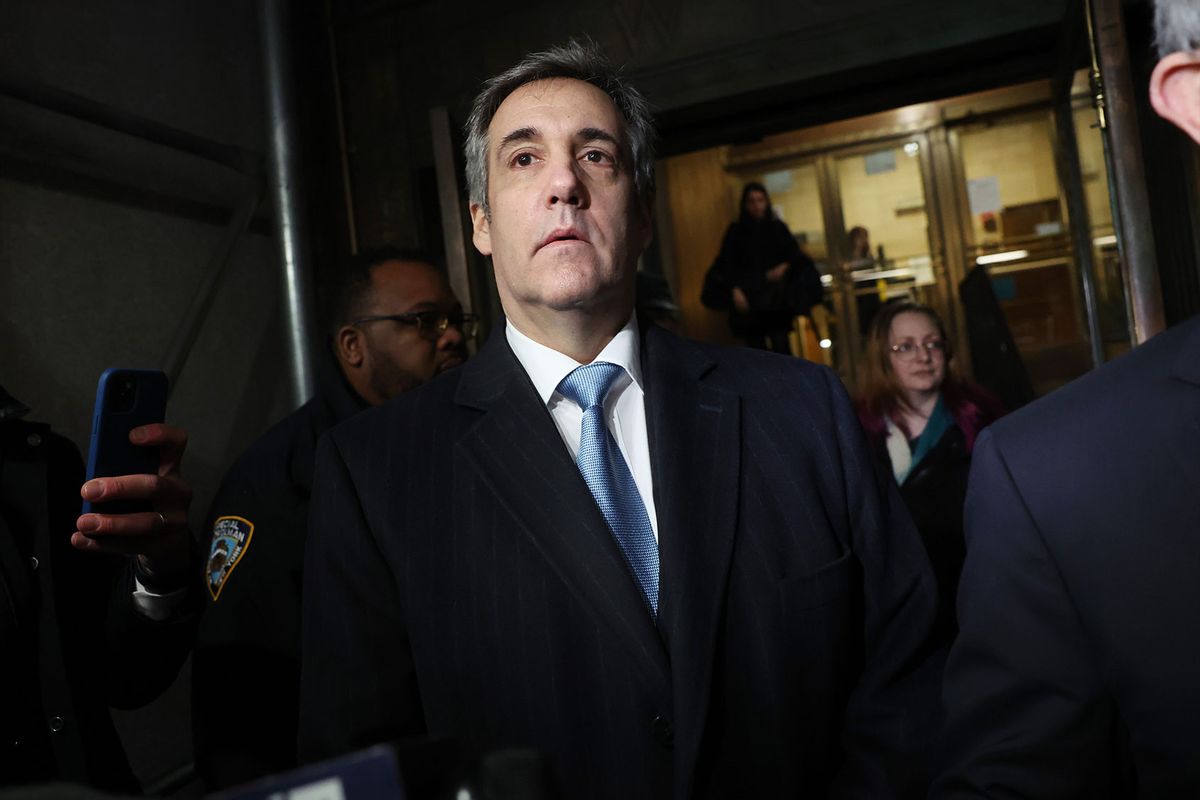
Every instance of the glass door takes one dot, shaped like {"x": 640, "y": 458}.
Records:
{"x": 886, "y": 249}
{"x": 1015, "y": 228}
{"x": 927, "y": 203}
{"x": 860, "y": 214}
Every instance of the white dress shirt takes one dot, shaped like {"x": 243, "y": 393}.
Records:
{"x": 624, "y": 407}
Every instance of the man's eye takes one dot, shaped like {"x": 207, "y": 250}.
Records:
{"x": 523, "y": 159}
{"x": 596, "y": 157}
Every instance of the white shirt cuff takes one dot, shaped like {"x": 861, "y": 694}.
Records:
{"x": 158, "y": 607}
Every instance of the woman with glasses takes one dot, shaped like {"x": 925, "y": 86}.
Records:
{"x": 923, "y": 417}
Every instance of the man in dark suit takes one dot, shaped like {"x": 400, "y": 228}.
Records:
{"x": 1075, "y": 670}
{"x": 673, "y": 569}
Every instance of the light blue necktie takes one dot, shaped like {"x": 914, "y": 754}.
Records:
{"x": 608, "y": 476}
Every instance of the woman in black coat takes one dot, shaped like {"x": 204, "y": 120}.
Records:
{"x": 761, "y": 276}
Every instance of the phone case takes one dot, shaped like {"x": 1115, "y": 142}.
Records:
{"x": 125, "y": 399}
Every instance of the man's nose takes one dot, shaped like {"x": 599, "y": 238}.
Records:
{"x": 451, "y": 338}
{"x": 564, "y": 184}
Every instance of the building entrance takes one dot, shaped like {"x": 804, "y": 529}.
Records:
{"x": 906, "y": 204}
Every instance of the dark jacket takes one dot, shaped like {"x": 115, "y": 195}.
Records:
{"x": 476, "y": 591}
{"x": 246, "y": 667}
{"x": 934, "y": 493}
{"x": 935, "y": 489}
{"x": 1074, "y": 674}
{"x": 72, "y": 642}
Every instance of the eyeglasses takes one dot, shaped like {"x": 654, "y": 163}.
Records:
{"x": 910, "y": 349}
{"x": 431, "y": 324}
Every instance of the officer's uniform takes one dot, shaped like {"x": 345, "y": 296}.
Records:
{"x": 246, "y": 666}
{"x": 71, "y": 641}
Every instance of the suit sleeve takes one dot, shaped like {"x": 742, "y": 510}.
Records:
{"x": 357, "y": 681}
{"x": 1022, "y": 695}
{"x": 892, "y": 715}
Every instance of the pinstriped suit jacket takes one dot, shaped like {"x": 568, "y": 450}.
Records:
{"x": 460, "y": 581}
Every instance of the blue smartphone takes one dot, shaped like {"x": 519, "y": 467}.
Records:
{"x": 125, "y": 399}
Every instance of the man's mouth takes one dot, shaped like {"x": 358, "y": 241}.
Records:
{"x": 563, "y": 235}
{"x": 450, "y": 363}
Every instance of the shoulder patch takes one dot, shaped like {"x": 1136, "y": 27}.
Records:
{"x": 230, "y": 539}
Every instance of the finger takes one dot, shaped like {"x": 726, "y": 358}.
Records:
{"x": 81, "y": 542}
{"x": 166, "y": 491}
{"x": 138, "y": 523}
{"x": 128, "y": 545}
{"x": 170, "y": 440}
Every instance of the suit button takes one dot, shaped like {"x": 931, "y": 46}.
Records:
{"x": 33, "y": 562}
{"x": 33, "y": 440}
{"x": 664, "y": 732}
{"x": 56, "y": 724}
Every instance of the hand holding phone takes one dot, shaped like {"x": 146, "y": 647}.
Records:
{"x": 136, "y": 503}
{"x": 125, "y": 399}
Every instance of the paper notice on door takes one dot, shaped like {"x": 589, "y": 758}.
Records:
{"x": 878, "y": 163}
{"x": 984, "y": 194}
{"x": 778, "y": 182}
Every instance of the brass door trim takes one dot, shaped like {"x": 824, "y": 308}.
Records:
{"x": 950, "y": 180}
{"x": 835, "y": 252}
{"x": 841, "y": 146}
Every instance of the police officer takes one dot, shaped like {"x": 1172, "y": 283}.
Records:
{"x": 83, "y": 625}
{"x": 396, "y": 324}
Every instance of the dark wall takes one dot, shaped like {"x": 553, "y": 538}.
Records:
{"x": 105, "y": 236}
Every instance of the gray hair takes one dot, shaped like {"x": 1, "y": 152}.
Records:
{"x": 579, "y": 60}
{"x": 1176, "y": 26}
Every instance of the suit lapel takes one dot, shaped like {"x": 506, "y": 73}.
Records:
{"x": 695, "y": 445}
{"x": 518, "y": 454}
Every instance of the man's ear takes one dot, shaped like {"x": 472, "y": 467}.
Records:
{"x": 482, "y": 229}
{"x": 351, "y": 349}
{"x": 1175, "y": 92}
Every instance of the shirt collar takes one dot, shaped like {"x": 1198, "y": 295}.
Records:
{"x": 547, "y": 367}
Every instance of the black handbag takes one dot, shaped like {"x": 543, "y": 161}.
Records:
{"x": 716, "y": 293}
{"x": 794, "y": 295}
